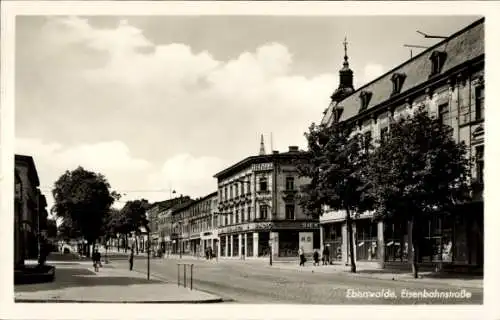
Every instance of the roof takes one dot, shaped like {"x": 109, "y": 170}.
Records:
{"x": 33, "y": 174}
{"x": 181, "y": 206}
{"x": 465, "y": 45}
{"x": 166, "y": 204}
{"x": 260, "y": 159}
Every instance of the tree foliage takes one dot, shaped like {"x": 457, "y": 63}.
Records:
{"x": 337, "y": 157}
{"x": 417, "y": 171}
{"x": 133, "y": 216}
{"x": 82, "y": 199}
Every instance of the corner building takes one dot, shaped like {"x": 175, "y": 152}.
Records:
{"x": 258, "y": 209}
{"x": 448, "y": 80}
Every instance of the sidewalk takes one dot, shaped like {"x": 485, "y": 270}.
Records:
{"x": 363, "y": 270}
{"x": 77, "y": 282}
{"x": 368, "y": 270}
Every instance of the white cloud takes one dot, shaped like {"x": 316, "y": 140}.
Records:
{"x": 371, "y": 72}
{"x": 189, "y": 175}
{"x": 111, "y": 158}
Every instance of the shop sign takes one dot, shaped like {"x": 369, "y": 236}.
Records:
{"x": 246, "y": 227}
{"x": 262, "y": 166}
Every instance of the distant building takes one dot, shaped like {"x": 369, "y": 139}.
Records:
{"x": 258, "y": 210}
{"x": 30, "y": 214}
{"x": 448, "y": 80}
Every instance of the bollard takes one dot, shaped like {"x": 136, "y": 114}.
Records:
{"x": 178, "y": 275}
{"x": 184, "y": 276}
{"x": 191, "y": 277}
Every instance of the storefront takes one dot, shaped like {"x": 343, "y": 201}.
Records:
{"x": 259, "y": 239}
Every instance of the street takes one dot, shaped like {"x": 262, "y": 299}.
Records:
{"x": 251, "y": 282}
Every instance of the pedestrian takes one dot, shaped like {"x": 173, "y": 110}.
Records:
{"x": 206, "y": 253}
{"x": 131, "y": 259}
{"x": 302, "y": 257}
{"x": 96, "y": 259}
{"x": 210, "y": 253}
{"x": 326, "y": 255}
{"x": 316, "y": 258}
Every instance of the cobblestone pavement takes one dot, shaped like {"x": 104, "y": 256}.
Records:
{"x": 253, "y": 282}
{"x": 76, "y": 281}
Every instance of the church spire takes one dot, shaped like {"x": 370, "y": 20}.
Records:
{"x": 346, "y": 62}
{"x": 262, "y": 148}
{"x": 346, "y": 78}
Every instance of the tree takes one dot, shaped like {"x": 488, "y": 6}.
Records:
{"x": 82, "y": 199}
{"x": 51, "y": 228}
{"x": 418, "y": 171}
{"x": 334, "y": 167}
{"x": 133, "y": 217}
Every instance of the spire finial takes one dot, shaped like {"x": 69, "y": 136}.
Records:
{"x": 345, "y": 51}
{"x": 262, "y": 148}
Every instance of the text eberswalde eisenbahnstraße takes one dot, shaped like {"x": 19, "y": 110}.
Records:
{"x": 408, "y": 294}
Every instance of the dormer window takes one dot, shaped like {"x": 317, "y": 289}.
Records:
{"x": 397, "y": 82}
{"x": 437, "y": 59}
{"x": 365, "y": 97}
{"x": 337, "y": 112}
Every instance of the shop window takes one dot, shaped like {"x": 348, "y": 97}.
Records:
{"x": 263, "y": 184}
{"x": 289, "y": 183}
{"x": 480, "y": 103}
{"x": 290, "y": 211}
{"x": 366, "y": 240}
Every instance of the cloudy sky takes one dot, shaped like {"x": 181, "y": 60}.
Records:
{"x": 165, "y": 102}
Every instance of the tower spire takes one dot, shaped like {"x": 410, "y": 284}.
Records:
{"x": 346, "y": 62}
{"x": 262, "y": 148}
{"x": 346, "y": 78}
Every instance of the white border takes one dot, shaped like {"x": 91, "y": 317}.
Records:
{"x": 66, "y": 311}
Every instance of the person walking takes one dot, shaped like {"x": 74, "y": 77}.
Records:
{"x": 302, "y": 257}
{"x": 316, "y": 258}
{"x": 96, "y": 259}
{"x": 326, "y": 255}
{"x": 131, "y": 259}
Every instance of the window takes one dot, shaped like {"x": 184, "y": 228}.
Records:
{"x": 384, "y": 132}
{"x": 263, "y": 184}
{"x": 444, "y": 114}
{"x": 289, "y": 183}
{"x": 290, "y": 211}
{"x": 236, "y": 216}
{"x": 249, "y": 211}
{"x": 236, "y": 189}
{"x": 397, "y": 82}
{"x": 437, "y": 61}
{"x": 231, "y": 192}
{"x": 242, "y": 188}
{"x": 365, "y": 97}
{"x": 263, "y": 211}
{"x": 480, "y": 103}
{"x": 225, "y": 193}
{"x": 479, "y": 163}
{"x": 367, "y": 138}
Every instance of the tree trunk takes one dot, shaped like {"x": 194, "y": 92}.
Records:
{"x": 351, "y": 240}
{"x": 416, "y": 251}
{"x": 126, "y": 242}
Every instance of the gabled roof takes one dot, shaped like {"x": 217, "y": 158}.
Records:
{"x": 33, "y": 174}
{"x": 461, "y": 47}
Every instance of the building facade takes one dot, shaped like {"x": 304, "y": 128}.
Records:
{"x": 258, "y": 209}
{"x": 448, "y": 80}
{"x": 30, "y": 214}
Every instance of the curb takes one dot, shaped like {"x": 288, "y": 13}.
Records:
{"x": 217, "y": 300}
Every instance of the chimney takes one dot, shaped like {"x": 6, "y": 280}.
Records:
{"x": 262, "y": 150}
{"x": 275, "y": 152}
{"x": 293, "y": 149}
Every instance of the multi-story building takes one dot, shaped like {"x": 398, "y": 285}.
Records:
{"x": 158, "y": 215}
{"x": 30, "y": 210}
{"x": 258, "y": 208}
{"x": 446, "y": 79}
